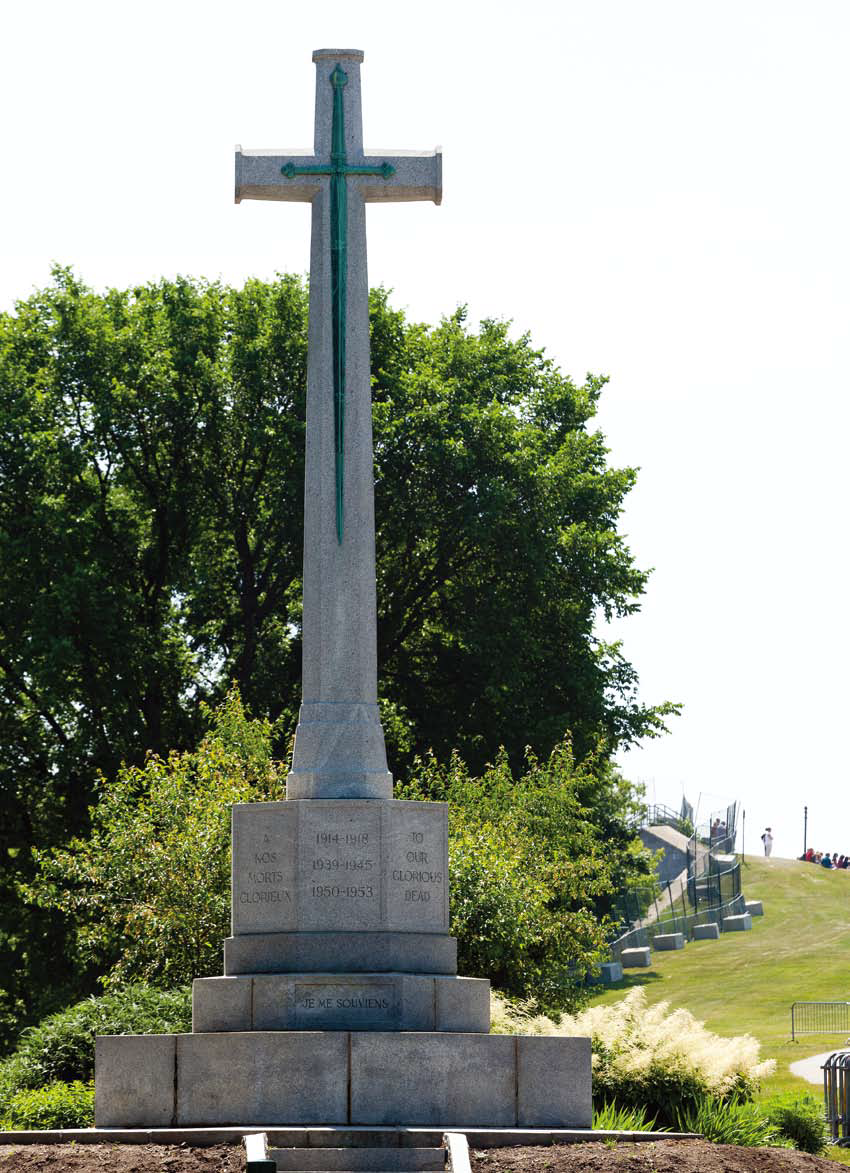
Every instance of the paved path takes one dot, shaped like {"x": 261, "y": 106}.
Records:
{"x": 810, "y": 1069}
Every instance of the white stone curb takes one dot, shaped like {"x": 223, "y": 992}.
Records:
{"x": 457, "y": 1153}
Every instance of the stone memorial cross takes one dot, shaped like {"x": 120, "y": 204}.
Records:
{"x": 340, "y": 1002}
{"x": 339, "y": 744}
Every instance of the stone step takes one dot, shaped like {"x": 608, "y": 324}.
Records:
{"x": 368, "y": 1159}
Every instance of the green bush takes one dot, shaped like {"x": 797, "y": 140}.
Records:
{"x": 61, "y": 1047}
{"x": 148, "y": 893}
{"x": 532, "y": 869}
{"x": 799, "y": 1119}
{"x": 729, "y": 1123}
{"x": 58, "y": 1105}
{"x": 613, "y": 1117}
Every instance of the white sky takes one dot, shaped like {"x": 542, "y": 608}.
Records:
{"x": 658, "y": 190}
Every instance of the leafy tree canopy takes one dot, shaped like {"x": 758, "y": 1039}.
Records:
{"x": 151, "y": 483}
{"x": 147, "y": 892}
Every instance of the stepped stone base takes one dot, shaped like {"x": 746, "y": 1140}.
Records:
{"x": 369, "y": 1001}
{"x": 342, "y": 1077}
{"x": 340, "y": 952}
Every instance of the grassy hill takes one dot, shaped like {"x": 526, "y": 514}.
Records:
{"x": 745, "y": 983}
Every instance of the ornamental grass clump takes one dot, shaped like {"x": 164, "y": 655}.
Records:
{"x": 664, "y": 1060}
{"x": 651, "y": 1057}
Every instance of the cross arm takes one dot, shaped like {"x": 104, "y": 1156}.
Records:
{"x": 259, "y": 177}
{"x": 418, "y": 175}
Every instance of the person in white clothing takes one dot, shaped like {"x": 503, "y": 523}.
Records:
{"x": 767, "y": 840}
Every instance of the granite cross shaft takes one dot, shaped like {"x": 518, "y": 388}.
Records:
{"x": 339, "y": 744}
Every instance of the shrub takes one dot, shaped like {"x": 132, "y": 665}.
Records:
{"x": 531, "y": 868}
{"x": 799, "y": 1119}
{"x": 58, "y": 1105}
{"x": 61, "y": 1047}
{"x": 148, "y": 892}
{"x": 728, "y": 1123}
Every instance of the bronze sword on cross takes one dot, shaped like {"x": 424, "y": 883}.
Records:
{"x": 338, "y": 169}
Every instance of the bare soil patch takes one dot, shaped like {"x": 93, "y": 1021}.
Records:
{"x": 664, "y": 1156}
{"x": 121, "y": 1158}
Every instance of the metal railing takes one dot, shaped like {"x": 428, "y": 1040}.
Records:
{"x": 819, "y": 1018}
{"x": 677, "y": 922}
{"x": 836, "y": 1085}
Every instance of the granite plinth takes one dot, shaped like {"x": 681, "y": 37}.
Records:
{"x": 609, "y": 972}
{"x": 636, "y": 958}
{"x": 342, "y": 1077}
{"x": 706, "y": 932}
{"x": 339, "y": 752}
{"x": 665, "y": 941}
{"x": 369, "y": 1001}
{"x": 754, "y": 907}
{"x": 738, "y": 924}
{"x": 340, "y": 953}
{"x": 349, "y": 865}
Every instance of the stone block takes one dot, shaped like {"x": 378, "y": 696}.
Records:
{"x": 345, "y": 865}
{"x": 422, "y": 1079}
{"x": 340, "y": 953}
{"x": 754, "y": 907}
{"x": 706, "y": 932}
{"x": 610, "y": 972}
{"x": 339, "y": 750}
{"x": 553, "y": 1083}
{"x": 637, "y": 958}
{"x": 462, "y": 1004}
{"x": 310, "y": 1001}
{"x": 737, "y": 924}
{"x": 357, "y": 1080}
{"x": 665, "y": 941}
{"x": 134, "y": 1081}
{"x": 262, "y": 1077}
{"x": 221, "y": 1003}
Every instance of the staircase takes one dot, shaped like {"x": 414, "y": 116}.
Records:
{"x": 346, "y": 1151}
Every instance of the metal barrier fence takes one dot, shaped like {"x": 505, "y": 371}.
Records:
{"x": 676, "y": 923}
{"x": 836, "y": 1085}
{"x": 819, "y": 1018}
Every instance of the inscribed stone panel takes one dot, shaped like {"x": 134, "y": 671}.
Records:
{"x": 347, "y": 1004}
{"x": 339, "y": 865}
{"x": 416, "y": 866}
{"x": 263, "y": 897}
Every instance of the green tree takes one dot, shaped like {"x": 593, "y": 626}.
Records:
{"x": 535, "y": 860}
{"x": 151, "y": 483}
{"x": 147, "y": 893}
{"x": 497, "y": 546}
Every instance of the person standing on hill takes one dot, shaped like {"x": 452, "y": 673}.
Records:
{"x": 767, "y": 840}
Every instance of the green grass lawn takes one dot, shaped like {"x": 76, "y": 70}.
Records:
{"x": 744, "y": 983}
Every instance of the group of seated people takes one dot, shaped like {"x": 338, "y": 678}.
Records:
{"x": 825, "y": 859}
